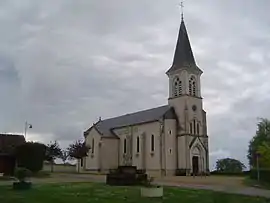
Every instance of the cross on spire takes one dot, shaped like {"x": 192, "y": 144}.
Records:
{"x": 182, "y": 10}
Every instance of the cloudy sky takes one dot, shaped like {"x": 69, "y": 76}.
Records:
{"x": 64, "y": 63}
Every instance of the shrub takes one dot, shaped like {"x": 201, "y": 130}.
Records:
{"x": 31, "y": 156}
{"x": 22, "y": 173}
{"x": 228, "y": 173}
{"x": 264, "y": 175}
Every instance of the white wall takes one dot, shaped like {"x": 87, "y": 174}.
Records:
{"x": 109, "y": 153}
{"x": 92, "y": 160}
{"x": 144, "y": 132}
{"x": 170, "y": 144}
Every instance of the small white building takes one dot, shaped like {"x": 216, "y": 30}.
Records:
{"x": 163, "y": 139}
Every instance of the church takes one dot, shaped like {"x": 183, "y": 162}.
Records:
{"x": 165, "y": 140}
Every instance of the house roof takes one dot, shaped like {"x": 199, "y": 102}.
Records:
{"x": 183, "y": 56}
{"x": 9, "y": 142}
{"x": 105, "y": 127}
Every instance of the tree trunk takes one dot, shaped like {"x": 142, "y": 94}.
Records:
{"x": 52, "y": 166}
{"x": 79, "y": 165}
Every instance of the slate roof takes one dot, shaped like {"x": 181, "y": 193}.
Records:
{"x": 105, "y": 127}
{"x": 183, "y": 56}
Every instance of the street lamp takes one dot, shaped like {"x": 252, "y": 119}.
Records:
{"x": 26, "y": 126}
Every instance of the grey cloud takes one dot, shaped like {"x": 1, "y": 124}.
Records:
{"x": 66, "y": 63}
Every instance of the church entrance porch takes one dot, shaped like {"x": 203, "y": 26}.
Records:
{"x": 197, "y": 158}
{"x": 195, "y": 165}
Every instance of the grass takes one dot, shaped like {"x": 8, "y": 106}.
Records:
{"x": 100, "y": 193}
{"x": 255, "y": 183}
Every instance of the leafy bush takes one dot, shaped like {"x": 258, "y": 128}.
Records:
{"x": 244, "y": 173}
{"x": 22, "y": 173}
{"x": 264, "y": 175}
{"x": 31, "y": 156}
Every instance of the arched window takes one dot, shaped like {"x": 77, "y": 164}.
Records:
{"x": 125, "y": 146}
{"x": 93, "y": 145}
{"x": 180, "y": 87}
{"x": 189, "y": 87}
{"x": 175, "y": 92}
{"x": 152, "y": 143}
{"x": 138, "y": 144}
{"x": 176, "y": 87}
{"x": 198, "y": 128}
{"x": 190, "y": 128}
{"x": 192, "y": 86}
{"x": 194, "y": 126}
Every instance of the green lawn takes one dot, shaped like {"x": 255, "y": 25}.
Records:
{"x": 99, "y": 193}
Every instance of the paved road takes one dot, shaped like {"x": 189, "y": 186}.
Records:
{"x": 244, "y": 190}
{"x": 236, "y": 189}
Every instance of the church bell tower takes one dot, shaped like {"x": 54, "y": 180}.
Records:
{"x": 185, "y": 97}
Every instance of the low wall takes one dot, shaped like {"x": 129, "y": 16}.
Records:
{"x": 61, "y": 168}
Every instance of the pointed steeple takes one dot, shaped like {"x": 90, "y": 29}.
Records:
{"x": 183, "y": 56}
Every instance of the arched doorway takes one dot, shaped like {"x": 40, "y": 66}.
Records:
{"x": 197, "y": 159}
{"x": 196, "y": 156}
{"x": 195, "y": 165}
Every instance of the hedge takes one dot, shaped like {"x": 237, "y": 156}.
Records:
{"x": 244, "y": 173}
{"x": 264, "y": 175}
{"x": 31, "y": 156}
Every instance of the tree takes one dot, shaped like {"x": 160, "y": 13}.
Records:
{"x": 64, "y": 156}
{"x": 53, "y": 151}
{"x": 229, "y": 165}
{"x": 262, "y": 135}
{"x": 78, "y": 150}
{"x": 264, "y": 151}
{"x": 31, "y": 156}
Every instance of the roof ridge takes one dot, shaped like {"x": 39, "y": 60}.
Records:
{"x": 7, "y": 134}
{"x": 135, "y": 118}
{"x": 140, "y": 111}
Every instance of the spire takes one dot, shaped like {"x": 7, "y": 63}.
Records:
{"x": 182, "y": 11}
{"x": 183, "y": 56}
